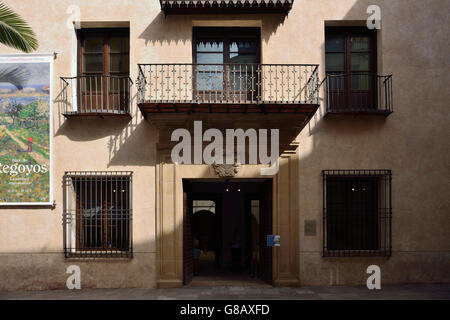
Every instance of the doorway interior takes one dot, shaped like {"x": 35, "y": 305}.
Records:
{"x": 225, "y": 226}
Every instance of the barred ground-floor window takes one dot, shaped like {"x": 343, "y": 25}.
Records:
{"x": 357, "y": 212}
{"x": 97, "y": 216}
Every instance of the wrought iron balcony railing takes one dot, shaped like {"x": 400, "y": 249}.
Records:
{"x": 96, "y": 95}
{"x": 282, "y": 87}
{"x": 358, "y": 92}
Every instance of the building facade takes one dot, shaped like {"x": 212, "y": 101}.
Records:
{"x": 363, "y": 140}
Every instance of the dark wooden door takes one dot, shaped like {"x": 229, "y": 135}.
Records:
{"x": 103, "y": 70}
{"x": 350, "y": 63}
{"x": 265, "y": 228}
{"x": 218, "y": 253}
{"x": 188, "y": 250}
{"x": 248, "y": 227}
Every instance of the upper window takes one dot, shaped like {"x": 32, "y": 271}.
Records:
{"x": 97, "y": 214}
{"x": 104, "y": 52}
{"x": 350, "y": 63}
{"x": 103, "y": 70}
{"x": 226, "y": 61}
{"x": 357, "y": 212}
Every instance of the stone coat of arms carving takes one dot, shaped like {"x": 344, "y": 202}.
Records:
{"x": 226, "y": 170}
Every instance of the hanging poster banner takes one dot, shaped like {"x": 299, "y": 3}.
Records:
{"x": 26, "y": 129}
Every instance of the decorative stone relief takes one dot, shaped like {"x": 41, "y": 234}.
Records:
{"x": 226, "y": 170}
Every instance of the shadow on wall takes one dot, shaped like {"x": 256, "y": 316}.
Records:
{"x": 165, "y": 29}
{"x": 130, "y": 141}
{"x": 46, "y": 269}
{"x": 363, "y": 142}
{"x": 346, "y": 125}
{"x": 128, "y": 138}
{"x": 135, "y": 146}
{"x": 178, "y": 28}
{"x": 406, "y": 17}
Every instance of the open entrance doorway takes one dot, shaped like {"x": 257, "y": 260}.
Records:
{"x": 225, "y": 227}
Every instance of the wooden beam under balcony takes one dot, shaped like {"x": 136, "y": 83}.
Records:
{"x": 289, "y": 126}
{"x": 152, "y": 107}
{"x": 81, "y": 114}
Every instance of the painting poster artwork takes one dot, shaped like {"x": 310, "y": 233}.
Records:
{"x": 25, "y": 129}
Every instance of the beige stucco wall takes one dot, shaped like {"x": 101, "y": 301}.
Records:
{"x": 412, "y": 142}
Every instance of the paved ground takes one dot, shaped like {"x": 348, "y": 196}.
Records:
{"x": 431, "y": 291}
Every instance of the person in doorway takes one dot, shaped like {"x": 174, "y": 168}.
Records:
{"x": 197, "y": 253}
{"x": 255, "y": 247}
{"x": 236, "y": 252}
{"x": 205, "y": 241}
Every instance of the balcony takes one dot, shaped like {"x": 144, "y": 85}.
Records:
{"x": 96, "y": 95}
{"x": 358, "y": 93}
{"x": 225, "y": 6}
{"x": 228, "y": 88}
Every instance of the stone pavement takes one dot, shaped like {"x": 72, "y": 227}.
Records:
{"x": 422, "y": 292}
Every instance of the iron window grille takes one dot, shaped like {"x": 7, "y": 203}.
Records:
{"x": 97, "y": 216}
{"x": 357, "y": 213}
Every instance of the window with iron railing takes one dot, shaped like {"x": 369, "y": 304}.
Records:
{"x": 97, "y": 215}
{"x": 227, "y": 60}
{"x": 357, "y": 212}
{"x": 103, "y": 83}
{"x": 352, "y": 83}
{"x": 226, "y": 76}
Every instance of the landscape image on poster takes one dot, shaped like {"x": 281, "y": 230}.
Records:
{"x": 24, "y": 132}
